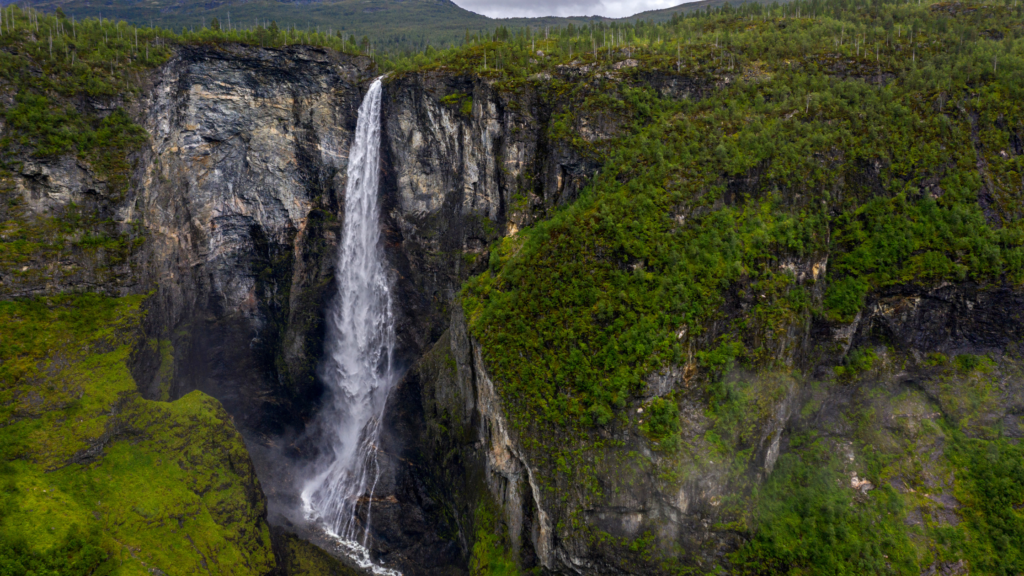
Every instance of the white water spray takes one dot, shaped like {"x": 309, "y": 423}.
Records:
{"x": 359, "y": 346}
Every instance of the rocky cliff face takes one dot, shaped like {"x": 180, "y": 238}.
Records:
{"x": 468, "y": 160}
{"x": 241, "y": 194}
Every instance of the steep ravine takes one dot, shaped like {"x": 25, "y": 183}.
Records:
{"x": 236, "y": 201}
{"x": 241, "y": 194}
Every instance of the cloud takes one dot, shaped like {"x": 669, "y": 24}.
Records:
{"x": 621, "y": 9}
{"x": 528, "y": 8}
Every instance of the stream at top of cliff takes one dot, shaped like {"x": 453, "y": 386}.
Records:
{"x": 358, "y": 364}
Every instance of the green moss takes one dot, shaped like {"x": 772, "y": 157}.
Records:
{"x": 54, "y": 349}
{"x": 166, "y": 485}
{"x": 969, "y": 363}
{"x": 165, "y": 373}
{"x": 79, "y": 238}
{"x": 449, "y": 362}
{"x": 77, "y": 555}
{"x": 970, "y": 392}
{"x": 459, "y": 101}
{"x": 739, "y": 409}
{"x": 301, "y": 558}
{"x": 177, "y": 496}
{"x": 491, "y": 555}
{"x": 857, "y": 362}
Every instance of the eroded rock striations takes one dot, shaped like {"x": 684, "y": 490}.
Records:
{"x": 241, "y": 195}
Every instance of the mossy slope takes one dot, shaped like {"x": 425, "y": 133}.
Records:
{"x": 301, "y": 558}
{"x": 149, "y": 485}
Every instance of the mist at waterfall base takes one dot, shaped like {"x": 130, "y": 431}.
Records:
{"x": 335, "y": 489}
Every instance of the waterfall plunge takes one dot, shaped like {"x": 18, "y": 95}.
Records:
{"x": 358, "y": 352}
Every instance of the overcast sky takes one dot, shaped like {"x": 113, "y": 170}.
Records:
{"x": 610, "y": 8}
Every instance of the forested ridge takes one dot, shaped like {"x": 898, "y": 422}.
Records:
{"x": 391, "y": 25}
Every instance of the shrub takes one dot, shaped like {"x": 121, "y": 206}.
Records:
{"x": 661, "y": 423}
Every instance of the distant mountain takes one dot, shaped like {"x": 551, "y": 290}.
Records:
{"x": 392, "y": 25}
{"x": 667, "y": 13}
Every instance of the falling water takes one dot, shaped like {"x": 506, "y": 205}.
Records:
{"x": 359, "y": 346}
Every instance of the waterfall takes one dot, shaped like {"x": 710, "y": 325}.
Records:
{"x": 359, "y": 345}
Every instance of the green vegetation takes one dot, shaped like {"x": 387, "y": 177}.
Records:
{"x": 60, "y": 75}
{"x": 661, "y": 423}
{"x": 810, "y": 523}
{"x": 42, "y": 336}
{"x": 879, "y": 177}
{"x": 738, "y": 409}
{"x": 857, "y": 362}
{"x": 968, "y": 363}
{"x": 815, "y": 515}
{"x": 165, "y": 374}
{"x": 461, "y": 102}
{"x": 892, "y": 241}
{"x": 51, "y": 60}
{"x": 491, "y": 555}
{"x": 298, "y": 557}
{"x": 391, "y": 26}
{"x": 96, "y": 480}
{"x": 77, "y": 555}
{"x": 968, "y": 390}
{"x": 80, "y": 237}
{"x": 991, "y": 487}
